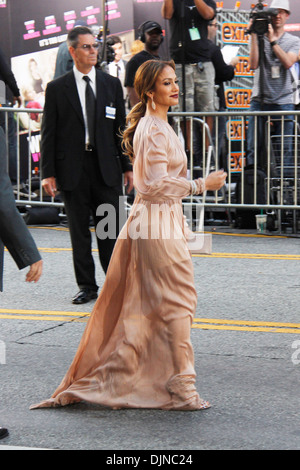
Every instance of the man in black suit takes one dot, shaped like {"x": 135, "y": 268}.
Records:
{"x": 82, "y": 155}
{"x": 14, "y": 233}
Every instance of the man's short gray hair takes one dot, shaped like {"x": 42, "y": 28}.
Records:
{"x": 72, "y": 39}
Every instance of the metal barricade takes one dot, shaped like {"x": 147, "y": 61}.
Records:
{"x": 235, "y": 197}
{"x": 281, "y": 191}
{"x": 22, "y": 135}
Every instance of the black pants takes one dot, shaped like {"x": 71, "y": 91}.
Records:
{"x": 80, "y": 204}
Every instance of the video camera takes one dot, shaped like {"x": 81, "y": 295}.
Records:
{"x": 106, "y": 51}
{"x": 261, "y": 18}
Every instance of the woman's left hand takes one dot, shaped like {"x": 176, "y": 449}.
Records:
{"x": 215, "y": 180}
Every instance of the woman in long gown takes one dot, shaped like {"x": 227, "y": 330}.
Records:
{"x": 136, "y": 350}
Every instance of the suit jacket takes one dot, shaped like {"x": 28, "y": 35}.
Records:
{"x": 14, "y": 233}
{"x": 63, "y": 131}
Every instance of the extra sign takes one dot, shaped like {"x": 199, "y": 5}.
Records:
{"x": 236, "y": 129}
{"x": 238, "y": 97}
{"x": 242, "y": 68}
{"x": 235, "y": 33}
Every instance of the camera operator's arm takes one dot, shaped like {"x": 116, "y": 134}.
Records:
{"x": 204, "y": 10}
{"x": 167, "y": 9}
{"x": 286, "y": 58}
{"x": 254, "y": 52}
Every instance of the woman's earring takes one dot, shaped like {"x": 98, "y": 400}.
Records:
{"x": 153, "y": 104}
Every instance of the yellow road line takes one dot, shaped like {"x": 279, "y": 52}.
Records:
{"x": 213, "y": 232}
{"x": 58, "y": 229}
{"x": 199, "y": 323}
{"x": 246, "y": 325}
{"x": 245, "y": 322}
{"x": 247, "y": 328}
{"x": 43, "y": 318}
{"x": 265, "y": 256}
{"x": 245, "y": 235}
{"x": 42, "y": 315}
{"x": 43, "y": 312}
{"x": 269, "y": 256}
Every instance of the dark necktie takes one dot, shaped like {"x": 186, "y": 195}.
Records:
{"x": 90, "y": 104}
{"x": 118, "y": 70}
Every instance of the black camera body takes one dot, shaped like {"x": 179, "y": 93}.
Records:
{"x": 110, "y": 52}
{"x": 106, "y": 51}
{"x": 262, "y": 17}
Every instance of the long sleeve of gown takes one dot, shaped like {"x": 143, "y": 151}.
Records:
{"x": 152, "y": 177}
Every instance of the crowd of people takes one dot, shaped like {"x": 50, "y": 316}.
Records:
{"x": 104, "y": 129}
{"x": 202, "y": 71}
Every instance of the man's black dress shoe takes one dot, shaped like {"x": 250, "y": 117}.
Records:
{"x": 3, "y": 433}
{"x": 84, "y": 296}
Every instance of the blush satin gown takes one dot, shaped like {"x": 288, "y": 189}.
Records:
{"x": 136, "y": 351}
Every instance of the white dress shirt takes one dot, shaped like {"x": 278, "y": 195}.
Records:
{"x": 81, "y": 86}
{"x": 113, "y": 70}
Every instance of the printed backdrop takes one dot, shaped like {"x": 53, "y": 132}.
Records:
{"x": 31, "y": 25}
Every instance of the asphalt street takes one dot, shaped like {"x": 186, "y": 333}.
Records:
{"x": 246, "y": 339}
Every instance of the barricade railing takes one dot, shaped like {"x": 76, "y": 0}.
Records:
{"x": 225, "y": 145}
{"x": 274, "y": 187}
{"x": 22, "y": 135}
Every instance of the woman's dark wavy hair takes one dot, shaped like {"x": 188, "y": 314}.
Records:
{"x": 145, "y": 79}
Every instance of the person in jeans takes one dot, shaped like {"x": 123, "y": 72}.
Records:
{"x": 189, "y": 48}
{"x": 281, "y": 50}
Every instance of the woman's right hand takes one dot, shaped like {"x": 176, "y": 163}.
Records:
{"x": 215, "y": 180}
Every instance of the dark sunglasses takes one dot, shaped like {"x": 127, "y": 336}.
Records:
{"x": 88, "y": 47}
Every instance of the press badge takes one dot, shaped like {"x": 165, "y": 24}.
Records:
{"x": 194, "y": 34}
{"x": 275, "y": 71}
{"x": 110, "y": 112}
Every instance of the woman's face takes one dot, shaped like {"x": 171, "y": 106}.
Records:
{"x": 166, "y": 91}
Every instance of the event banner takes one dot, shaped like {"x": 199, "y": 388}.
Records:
{"x": 41, "y": 24}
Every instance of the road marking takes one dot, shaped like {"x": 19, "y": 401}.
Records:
{"x": 3, "y": 447}
{"x": 266, "y": 256}
{"x": 198, "y": 323}
{"x": 246, "y": 325}
{"x": 246, "y": 235}
{"x": 213, "y": 232}
{"x": 43, "y": 315}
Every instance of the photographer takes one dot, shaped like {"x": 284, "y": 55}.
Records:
{"x": 280, "y": 52}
